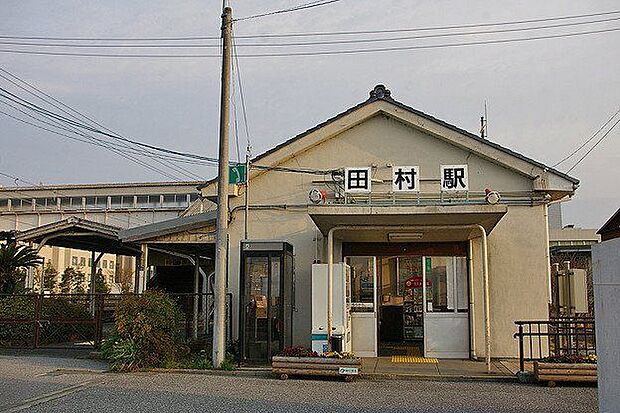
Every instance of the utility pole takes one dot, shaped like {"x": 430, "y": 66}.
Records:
{"x": 247, "y": 191}
{"x": 221, "y": 244}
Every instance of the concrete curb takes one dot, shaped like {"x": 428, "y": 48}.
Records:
{"x": 266, "y": 373}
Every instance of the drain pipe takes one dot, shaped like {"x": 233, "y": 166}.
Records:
{"x": 485, "y": 273}
{"x": 487, "y": 305}
{"x": 472, "y": 319}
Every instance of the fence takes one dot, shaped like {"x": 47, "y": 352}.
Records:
{"x": 83, "y": 320}
{"x": 555, "y": 338}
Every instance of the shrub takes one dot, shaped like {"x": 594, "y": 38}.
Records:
{"x": 148, "y": 332}
{"x": 22, "y": 307}
{"x": 298, "y": 351}
{"x": 570, "y": 358}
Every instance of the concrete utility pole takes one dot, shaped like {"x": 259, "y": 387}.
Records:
{"x": 221, "y": 244}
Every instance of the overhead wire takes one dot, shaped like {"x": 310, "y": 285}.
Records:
{"x": 570, "y": 155}
{"x": 305, "y": 6}
{"x": 594, "y": 146}
{"x": 316, "y": 34}
{"x": 61, "y": 105}
{"x": 316, "y": 43}
{"x": 318, "y": 52}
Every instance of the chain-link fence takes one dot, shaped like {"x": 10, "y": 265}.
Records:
{"x": 83, "y": 320}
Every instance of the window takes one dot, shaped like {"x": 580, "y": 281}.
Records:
{"x": 111, "y": 265}
{"x": 74, "y": 261}
{"x": 362, "y": 283}
{"x": 142, "y": 201}
{"x": 82, "y": 262}
{"x": 101, "y": 202}
{"x": 116, "y": 201}
{"x": 446, "y": 289}
{"x": 154, "y": 201}
{"x": 76, "y": 202}
{"x": 91, "y": 202}
{"x": 4, "y": 203}
{"x": 65, "y": 203}
{"x": 105, "y": 264}
{"x": 127, "y": 201}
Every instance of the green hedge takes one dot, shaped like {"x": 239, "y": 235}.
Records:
{"x": 22, "y": 307}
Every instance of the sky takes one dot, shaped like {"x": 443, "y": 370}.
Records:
{"x": 544, "y": 97}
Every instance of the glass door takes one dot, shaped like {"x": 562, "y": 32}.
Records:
{"x": 262, "y": 307}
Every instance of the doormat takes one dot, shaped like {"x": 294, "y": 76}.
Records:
{"x": 414, "y": 360}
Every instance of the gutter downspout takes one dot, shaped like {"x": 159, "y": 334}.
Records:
{"x": 487, "y": 305}
{"x": 472, "y": 318}
{"x": 485, "y": 274}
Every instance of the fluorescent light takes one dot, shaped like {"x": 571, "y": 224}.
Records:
{"x": 404, "y": 236}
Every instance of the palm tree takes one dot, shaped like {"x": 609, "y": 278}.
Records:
{"x": 13, "y": 258}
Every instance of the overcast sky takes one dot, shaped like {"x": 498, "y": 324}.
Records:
{"x": 545, "y": 97}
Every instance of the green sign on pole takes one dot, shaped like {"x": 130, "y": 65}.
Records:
{"x": 236, "y": 174}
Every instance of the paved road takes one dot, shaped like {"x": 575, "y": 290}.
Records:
{"x": 29, "y": 384}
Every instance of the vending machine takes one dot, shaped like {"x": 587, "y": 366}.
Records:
{"x": 341, "y": 308}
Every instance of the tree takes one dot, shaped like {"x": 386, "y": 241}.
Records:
{"x": 14, "y": 260}
{"x": 100, "y": 284}
{"x": 78, "y": 282}
{"x": 49, "y": 277}
{"x": 67, "y": 280}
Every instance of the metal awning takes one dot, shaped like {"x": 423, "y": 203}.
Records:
{"x": 169, "y": 227}
{"x": 430, "y": 223}
{"x": 79, "y": 233}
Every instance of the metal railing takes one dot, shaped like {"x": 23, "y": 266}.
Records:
{"x": 539, "y": 339}
{"x": 84, "y": 320}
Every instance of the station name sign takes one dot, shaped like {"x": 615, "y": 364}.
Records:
{"x": 407, "y": 179}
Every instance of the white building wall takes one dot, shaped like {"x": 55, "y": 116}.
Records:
{"x": 606, "y": 275}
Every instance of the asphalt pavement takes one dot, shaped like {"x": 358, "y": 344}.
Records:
{"x": 33, "y": 383}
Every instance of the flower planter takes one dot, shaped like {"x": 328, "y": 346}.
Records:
{"x": 566, "y": 372}
{"x": 315, "y": 366}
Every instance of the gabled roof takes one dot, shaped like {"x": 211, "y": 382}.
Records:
{"x": 611, "y": 228}
{"x": 79, "y": 233}
{"x": 380, "y": 93}
{"x": 171, "y": 226}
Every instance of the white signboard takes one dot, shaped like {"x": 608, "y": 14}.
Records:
{"x": 406, "y": 178}
{"x": 357, "y": 180}
{"x": 454, "y": 178}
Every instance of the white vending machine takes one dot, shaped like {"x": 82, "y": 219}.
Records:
{"x": 341, "y": 307}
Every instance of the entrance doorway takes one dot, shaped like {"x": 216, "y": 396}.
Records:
{"x": 419, "y": 304}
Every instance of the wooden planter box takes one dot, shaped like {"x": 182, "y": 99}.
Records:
{"x": 315, "y": 366}
{"x": 568, "y": 372}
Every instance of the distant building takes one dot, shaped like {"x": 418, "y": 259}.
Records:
{"x": 123, "y": 205}
{"x": 570, "y": 246}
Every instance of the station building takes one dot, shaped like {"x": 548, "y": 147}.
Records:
{"x": 445, "y": 234}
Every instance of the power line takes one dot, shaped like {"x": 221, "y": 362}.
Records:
{"x": 311, "y": 34}
{"x": 124, "y": 151}
{"x": 315, "y": 43}
{"x": 316, "y": 53}
{"x": 594, "y": 146}
{"x": 587, "y": 141}
{"x": 304, "y": 6}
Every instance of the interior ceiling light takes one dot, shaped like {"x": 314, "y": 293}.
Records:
{"x": 404, "y": 236}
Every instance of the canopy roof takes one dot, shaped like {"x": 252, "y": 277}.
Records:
{"x": 429, "y": 223}
{"x": 79, "y": 233}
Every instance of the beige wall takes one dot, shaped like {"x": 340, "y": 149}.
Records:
{"x": 517, "y": 246}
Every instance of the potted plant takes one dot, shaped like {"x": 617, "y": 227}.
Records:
{"x": 568, "y": 368}
{"x": 301, "y": 361}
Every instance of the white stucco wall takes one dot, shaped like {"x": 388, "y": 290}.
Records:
{"x": 606, "y": 278}
{"x": 517, "y": 246}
